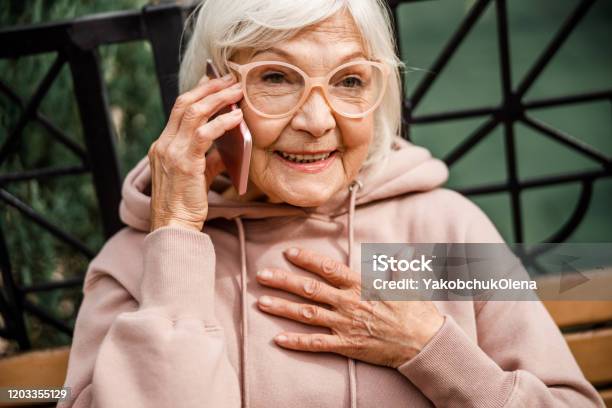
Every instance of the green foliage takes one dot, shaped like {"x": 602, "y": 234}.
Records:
{"x": 68, "y": 201}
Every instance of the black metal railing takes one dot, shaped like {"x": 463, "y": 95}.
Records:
{"x": 514, "y": 109}
{"x": 75, "y": 43}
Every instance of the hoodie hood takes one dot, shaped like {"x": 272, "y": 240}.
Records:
{"x": 409, "y": 168}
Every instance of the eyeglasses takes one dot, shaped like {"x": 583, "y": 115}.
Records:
{"x": 276, "y": 89}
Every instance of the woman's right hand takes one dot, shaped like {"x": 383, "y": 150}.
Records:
{"x": 181, "y": 172}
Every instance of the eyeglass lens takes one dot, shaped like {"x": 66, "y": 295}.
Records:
{"x": 277, "y": 89}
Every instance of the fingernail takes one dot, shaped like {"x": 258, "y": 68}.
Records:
{"x": 292, "y": 251}
{"x": 237, "y": 85}
{"x": 265, "y": 274}
{"x": 281, "y": 338}
{"x": 237, "y": 112}
{"x": 227, "y": 77}
{"x": 265, "y": 301}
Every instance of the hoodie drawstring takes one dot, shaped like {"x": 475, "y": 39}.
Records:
{"x": 354, "y": 186}
{"x": 244, "y": 315}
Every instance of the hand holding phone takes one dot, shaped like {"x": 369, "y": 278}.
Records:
{"x": 181, "y": 160}
{"x": 235, "y": 145}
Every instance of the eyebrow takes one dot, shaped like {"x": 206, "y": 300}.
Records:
{"x": 288, "y": 56}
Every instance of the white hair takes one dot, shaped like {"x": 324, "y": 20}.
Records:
{"x": 223, "y": 27}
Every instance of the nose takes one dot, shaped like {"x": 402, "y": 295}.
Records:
{"x": 315, "y": 115}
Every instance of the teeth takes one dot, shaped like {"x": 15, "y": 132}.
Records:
{"x": 305, "y": 158}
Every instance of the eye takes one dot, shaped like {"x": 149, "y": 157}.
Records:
{"x": 273, "y": 77}
{"x": 351, "y": 82}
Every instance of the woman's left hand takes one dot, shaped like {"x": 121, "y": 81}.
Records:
{"x": 387, "y": 333}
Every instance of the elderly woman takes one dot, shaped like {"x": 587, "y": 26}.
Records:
{"x": 211, "y": 299}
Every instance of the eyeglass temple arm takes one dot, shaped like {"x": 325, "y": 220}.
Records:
{"x": 234, "y": 66}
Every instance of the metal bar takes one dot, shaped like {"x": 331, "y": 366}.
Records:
{"x": 566, "y": 28}
{"x": 99, "y": 137}
{"x": 509, "y": 111}
{"x": 515, "y": 198}
{"x": 491, "y": 110}
{"x": 47, "y": 124}
{"x": 164, "y": 28}
{"x": 46, "y": 286}
{"x": 89, "y": 32}
{"x": 448, "y": 51}
{"x": 529, "y": 258}
{"x": 11, "y": 305}
{"x": 479, "y": 134}
{"x": 495, "y": 188}
{"x": 32, "y": 106}
{"x": 30, "y": 213}
{"x": 47, "y": 318}
{"x": 454, "y": 115}
{"x": 406, "y": 120}
{"x": 42, "y": 173}
{"x": 5, "y": 314}
{"x": 504, "y": 49}
{"x": 566, "y": 140}
{"x": 569, "y": 99}
{"x": 580, "y": 210}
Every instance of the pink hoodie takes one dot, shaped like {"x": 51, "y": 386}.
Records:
{"x": 169, "y": 318}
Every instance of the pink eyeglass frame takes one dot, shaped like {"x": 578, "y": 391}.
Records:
{"x": 309, "y": 84}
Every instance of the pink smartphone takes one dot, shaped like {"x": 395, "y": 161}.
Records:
{"x": 235, "y": 145}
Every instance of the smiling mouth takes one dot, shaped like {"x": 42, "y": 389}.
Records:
{"x": 305, "y": 158}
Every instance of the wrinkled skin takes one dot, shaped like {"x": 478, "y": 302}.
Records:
{"x": 315, "y": 126}
{"x": 378, "y": 332}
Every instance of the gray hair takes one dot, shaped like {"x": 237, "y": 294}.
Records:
{"x": 223, "y": 27}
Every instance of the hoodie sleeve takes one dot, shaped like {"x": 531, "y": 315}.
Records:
{"x": 521, "y": 358}
{"x": 167, "y": 350}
